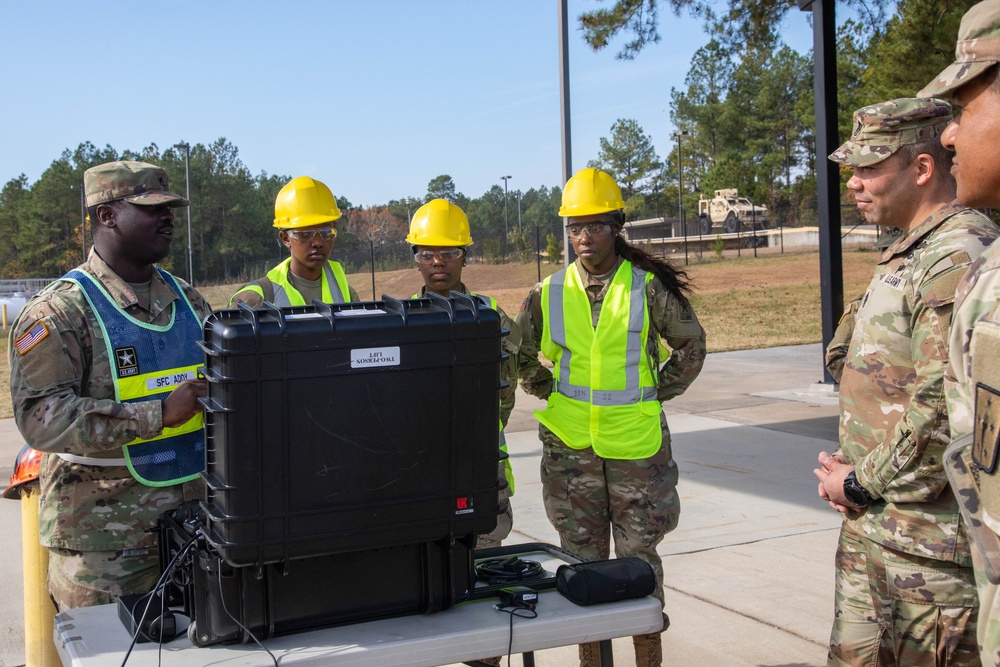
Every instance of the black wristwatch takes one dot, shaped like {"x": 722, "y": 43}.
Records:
{"x": 856, "y": 493}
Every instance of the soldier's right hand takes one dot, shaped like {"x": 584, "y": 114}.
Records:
{"x": 182, "y": 403}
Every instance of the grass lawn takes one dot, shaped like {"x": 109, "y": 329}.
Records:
{"x": 742, "y": 303}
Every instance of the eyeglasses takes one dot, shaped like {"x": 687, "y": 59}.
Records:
{"x": 426, "y": 257}
{"x": 592, "y": 229}
{"x": 325, "y": 233}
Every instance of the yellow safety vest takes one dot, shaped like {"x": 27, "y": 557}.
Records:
{"x": 335, "y": 288}
{"x": 604, "y": 387}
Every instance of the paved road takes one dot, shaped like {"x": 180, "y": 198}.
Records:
{"x": 749, "y": 571}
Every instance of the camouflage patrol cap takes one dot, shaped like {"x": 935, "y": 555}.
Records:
{"x": 977, "y": 50}
{"x": 138, "y": 183}
{"x": 881, "y": 129}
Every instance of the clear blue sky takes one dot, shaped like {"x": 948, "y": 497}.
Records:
{"x": 374, "y": 98}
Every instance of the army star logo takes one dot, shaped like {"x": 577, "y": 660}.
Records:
{"x": 127, "y": 362}
{"x": 987, "y": 423}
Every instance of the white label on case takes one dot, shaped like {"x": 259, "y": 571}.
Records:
{"x": 373, "y": 357}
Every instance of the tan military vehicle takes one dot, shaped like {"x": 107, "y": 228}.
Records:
{"x": 730, "y": 212}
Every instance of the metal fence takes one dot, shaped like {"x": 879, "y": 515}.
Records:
{"x": 22, "y": 287}
{"x": 507, "y": 271}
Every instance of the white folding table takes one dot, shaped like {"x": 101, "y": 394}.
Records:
{"x": 94, "y": 637}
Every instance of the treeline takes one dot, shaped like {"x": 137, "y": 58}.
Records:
{"x": 745, "y": 117}
{"x": 232, "y": 209}
{"x": 744, "y": 120}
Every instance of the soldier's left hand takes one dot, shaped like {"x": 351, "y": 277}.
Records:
{"x": 831, "y": 474}
{"x": 182, "y": 403}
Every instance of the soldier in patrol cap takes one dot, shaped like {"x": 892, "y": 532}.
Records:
{"x": 972, "y": 381}
{"x": 103, "y": 378}
{"x": 904, "y": 583}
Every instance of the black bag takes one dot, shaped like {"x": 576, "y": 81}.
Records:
{"x": 605, "y": 580}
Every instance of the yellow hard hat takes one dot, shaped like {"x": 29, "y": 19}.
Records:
{"x": 304, "y": 202}
{"x": 439, "y": 223}
{"x": 589, "y": 192}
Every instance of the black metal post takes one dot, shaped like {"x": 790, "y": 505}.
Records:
{"x": 506, "y": 233}
{"x": 831, "y": 270}
{"x": 538, "y": 252}
{"x": 83, "y": 223}
{"x": 567, "y": 149}
{"x": 371, "y": 248}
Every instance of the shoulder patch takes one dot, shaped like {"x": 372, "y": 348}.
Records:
{"x": 847, "y": 311}
{"x": 31, "y": 338}
{"x": 686, "y": 315}
{"x": 987, "y": 423}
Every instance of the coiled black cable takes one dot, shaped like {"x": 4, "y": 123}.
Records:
{"x": 507, "y": 569}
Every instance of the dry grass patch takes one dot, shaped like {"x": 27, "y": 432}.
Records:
{"x": 753, "y": 303}
{"x": 743, "y": 303}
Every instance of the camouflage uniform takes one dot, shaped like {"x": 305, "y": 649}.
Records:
{"x": 836, "y": 351}
{"x": 972, "y": 380}
{"x": 904, "y": 591}
{"x": 587, "y": 498}
{"x": 972, "y": 386}
{"x": 508, "y": 374}
{"x": 94, "y": 519}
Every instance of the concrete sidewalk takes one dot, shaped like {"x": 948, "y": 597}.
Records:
{"x": 749, "y": 570}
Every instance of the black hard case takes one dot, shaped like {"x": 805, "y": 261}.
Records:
{"x": 229, "y": 604}
{"x": 309, "y": 453}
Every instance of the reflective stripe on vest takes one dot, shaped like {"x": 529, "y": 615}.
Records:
{"x": 147, "y": 361}
{"x": 616, "y": 412}
{"x": 334, "y": 285}
{"x": 91, "y": 460}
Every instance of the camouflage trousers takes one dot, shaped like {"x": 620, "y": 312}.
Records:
{"x": 989, "y": 614}
{"x": 89, "y": 578}
{"x": 897, "y": 609}
{"x": 589, "y": 499}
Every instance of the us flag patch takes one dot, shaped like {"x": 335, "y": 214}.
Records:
{"x": 33, "y": 337}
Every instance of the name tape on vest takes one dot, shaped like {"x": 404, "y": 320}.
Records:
{"x": 168, "y": 380}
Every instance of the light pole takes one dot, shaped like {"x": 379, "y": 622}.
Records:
{"x": 505, "y": 179}
{"x": 83, "y": 218}
{"x": 187, "y": 195}
{"x": 680, "y": 191}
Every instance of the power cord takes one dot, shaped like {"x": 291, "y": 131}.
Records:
{"x": 160, "y": 583}
{"x": 235, "y": 620}
{"x": 520, "y": 612}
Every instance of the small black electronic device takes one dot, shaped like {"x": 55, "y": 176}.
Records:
{"x": 147, "y": 619}
{"x": 518, "y": 596}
